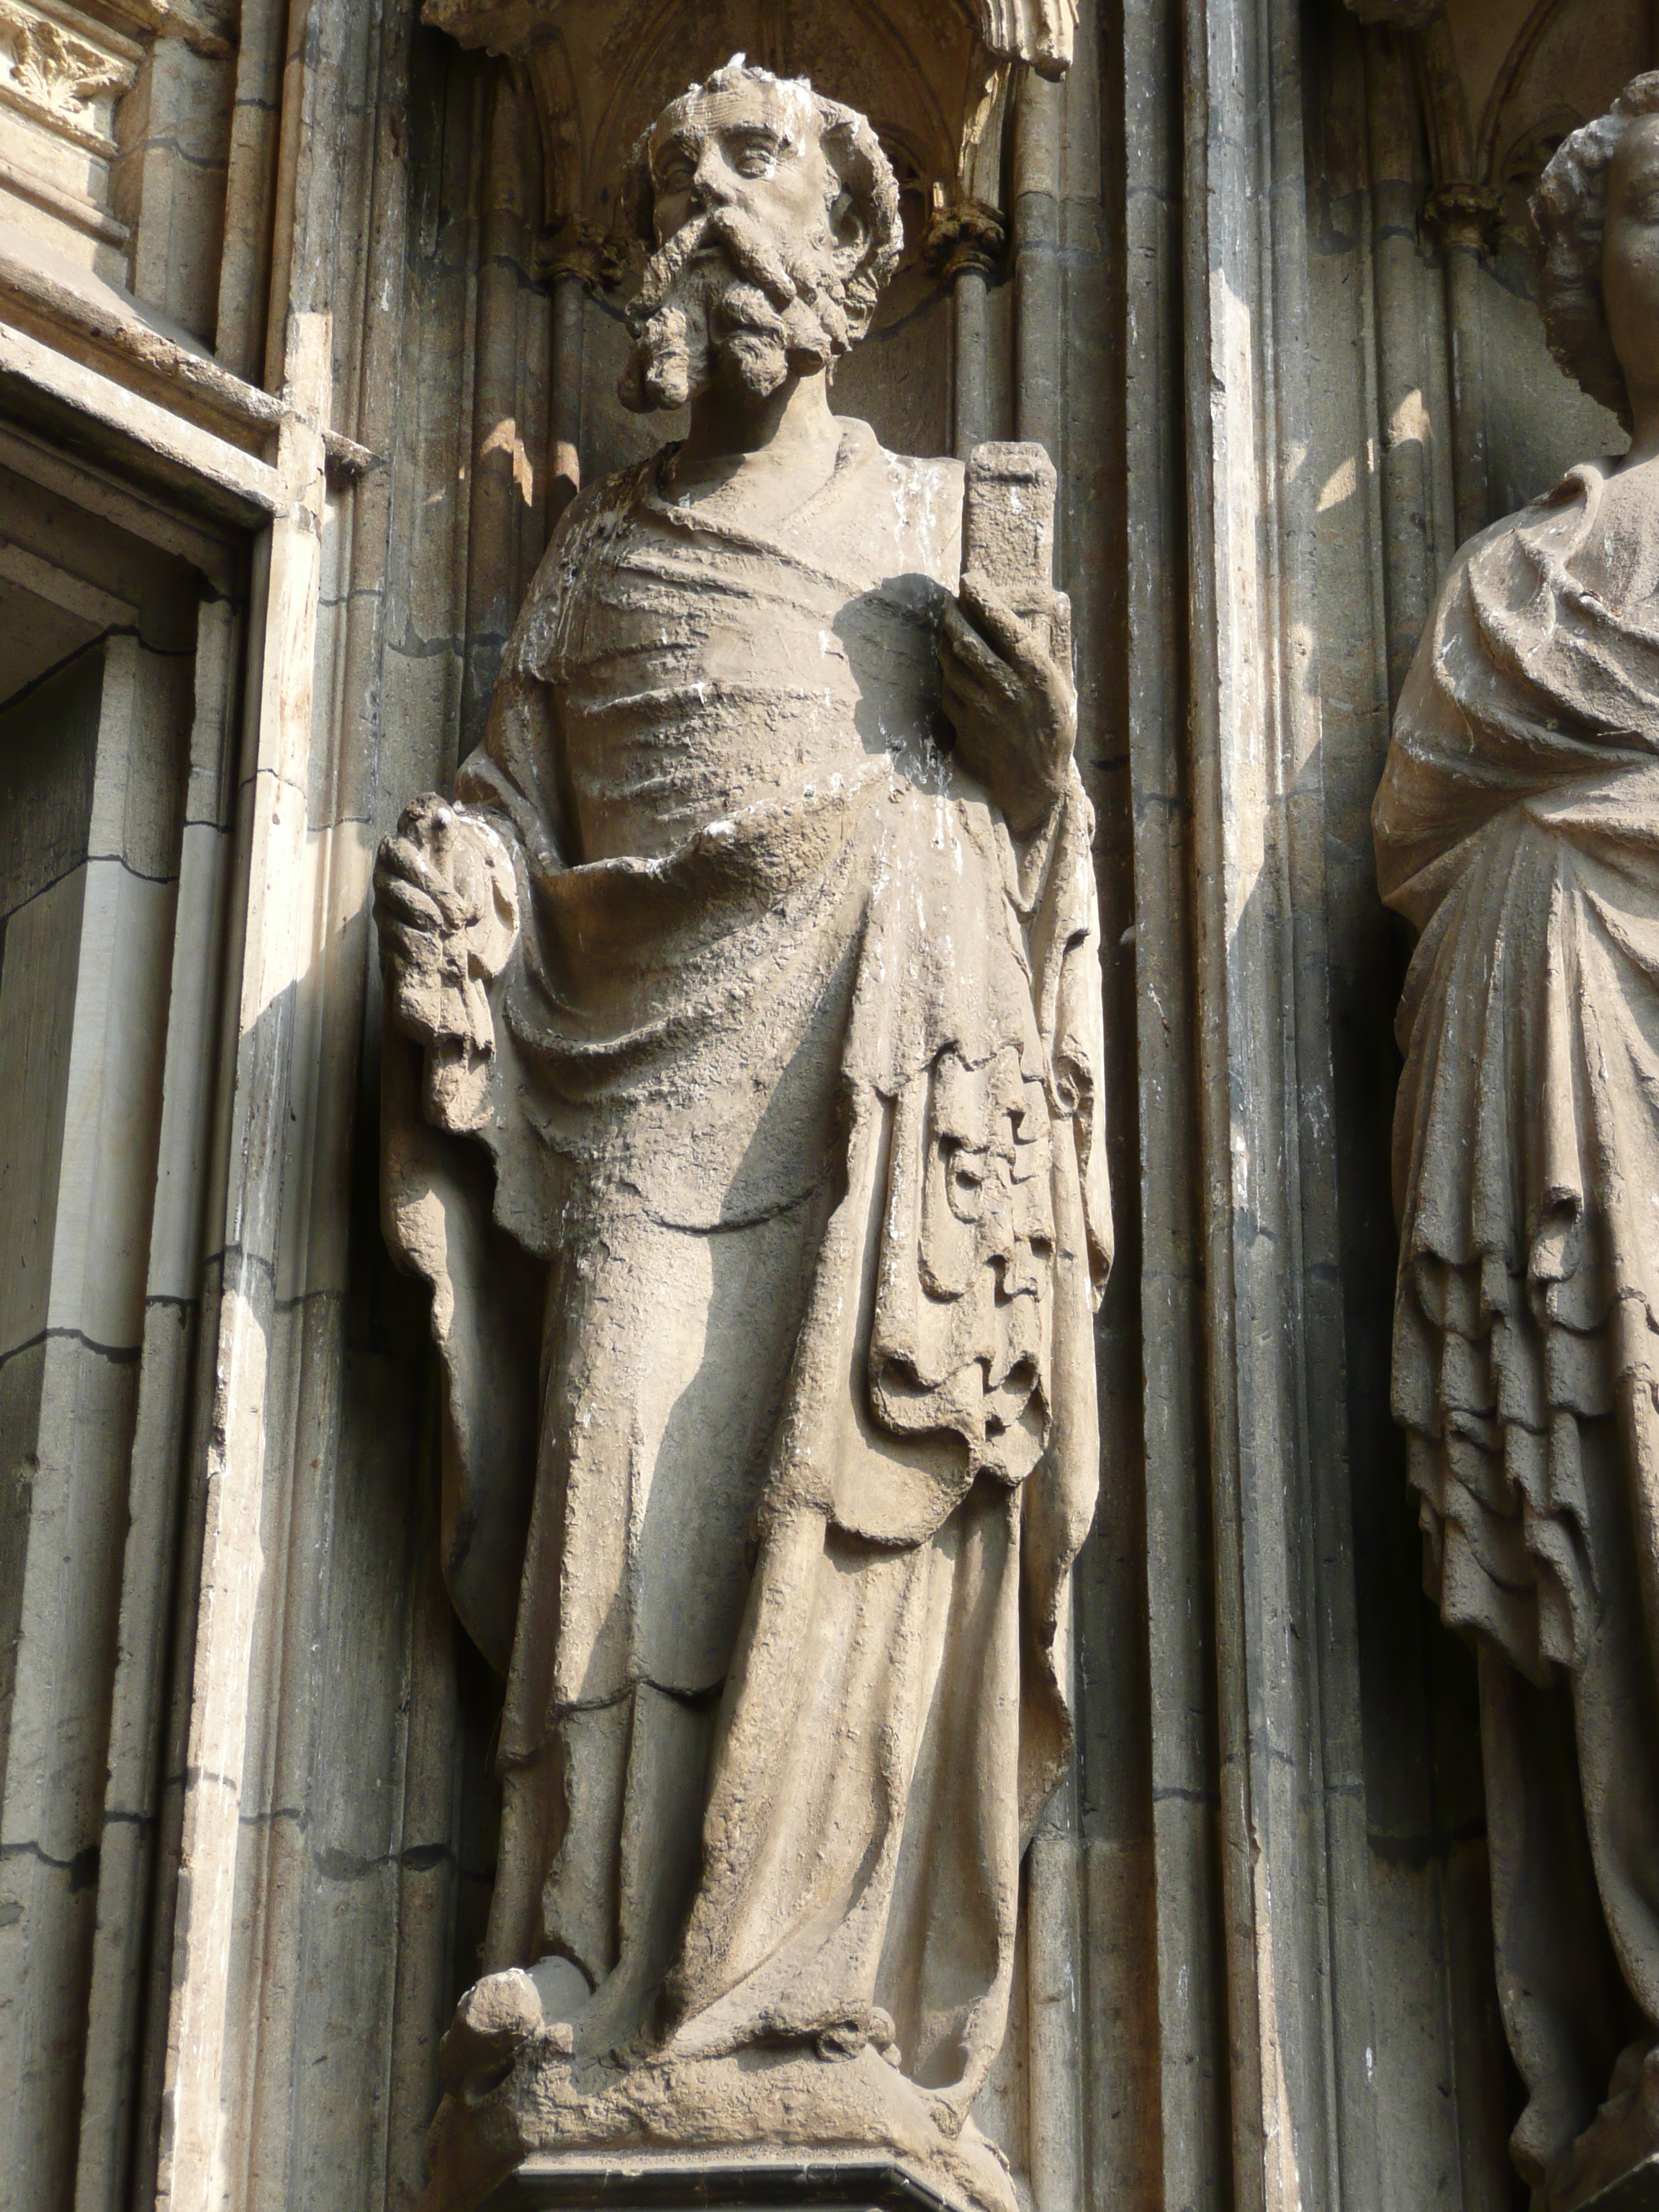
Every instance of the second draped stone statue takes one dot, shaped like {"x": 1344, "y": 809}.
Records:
{"x": 1517, "y": 828}
{"x": 756, "y": 1166}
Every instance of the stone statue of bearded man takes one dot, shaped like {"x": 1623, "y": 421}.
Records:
{"x": 757, "y": 1169}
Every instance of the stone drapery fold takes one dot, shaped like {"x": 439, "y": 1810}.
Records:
{"x": 1517, "y": 828}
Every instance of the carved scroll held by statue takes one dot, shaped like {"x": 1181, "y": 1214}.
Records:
{"x": 1517, "y": 828}
{"x": 758, "y": 957}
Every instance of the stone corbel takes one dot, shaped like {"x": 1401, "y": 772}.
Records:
{"x": 1039, "y": 32}
{"x": 963, "y": 233}
{"x": 597, "y": 258}
{"x": 1464, "y": 214}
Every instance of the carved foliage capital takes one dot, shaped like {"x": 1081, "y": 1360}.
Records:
{"x": 576, "y": 247}
{"x": 53, "y": 73}
{"x": 1464, "y": 214}
{"x": 966, "y": 234}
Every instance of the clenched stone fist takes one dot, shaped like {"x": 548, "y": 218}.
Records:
{"x": 448, "y": 909}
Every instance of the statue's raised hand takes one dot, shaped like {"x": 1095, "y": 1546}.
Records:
{"x": 448, "y": 909}
{"x": 1009, "y": 700}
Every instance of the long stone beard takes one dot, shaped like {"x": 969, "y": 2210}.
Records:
{"x": 769, "y": 307}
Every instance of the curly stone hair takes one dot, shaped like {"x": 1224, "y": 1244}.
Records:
{"x": 1569, "y": 216}
{"x": 863, "y": 175}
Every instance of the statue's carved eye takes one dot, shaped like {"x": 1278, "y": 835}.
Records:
{"x": 755, "y": 156}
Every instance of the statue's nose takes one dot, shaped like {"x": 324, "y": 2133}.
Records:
{"x": 711, "y": 185}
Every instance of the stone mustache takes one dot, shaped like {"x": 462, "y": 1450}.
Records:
{"x": 1517, "y": 828}
{"x": 755, "y": 1162}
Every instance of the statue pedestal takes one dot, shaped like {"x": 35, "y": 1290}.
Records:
{"x": 681, "y": 2181}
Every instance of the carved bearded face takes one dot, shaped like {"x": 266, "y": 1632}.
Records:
{"x": 775, "y": 218}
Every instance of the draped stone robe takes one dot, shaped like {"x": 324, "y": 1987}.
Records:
{"x": 1517, "y": 828}
{"x": 796, "y": 1096}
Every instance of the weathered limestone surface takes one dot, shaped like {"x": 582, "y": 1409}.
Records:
{"x": 311, "y": 321}
{"x": 781, "y": 1024}
{"x": 1514, "y": 828}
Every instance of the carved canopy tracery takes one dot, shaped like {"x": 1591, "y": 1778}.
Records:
{"x": 1502, "y": 83}
{"x": 931, "y": 76}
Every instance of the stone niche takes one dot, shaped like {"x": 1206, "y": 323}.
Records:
{"x": 549, "y": 101}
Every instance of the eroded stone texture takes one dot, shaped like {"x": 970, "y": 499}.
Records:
{"x": 1515, "y": 828}
{"x": 759, "y": 958}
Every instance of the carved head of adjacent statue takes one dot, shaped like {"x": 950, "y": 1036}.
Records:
{"x": 773, "y": 218}
{"x": 1596, "y": 221}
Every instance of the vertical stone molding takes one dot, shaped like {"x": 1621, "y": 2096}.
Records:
{"x": 1292, "y": 1872}
{"x": 190, "y": 2173}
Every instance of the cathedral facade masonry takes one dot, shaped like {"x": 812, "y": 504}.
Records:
{"x": 829, "y": 1105}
